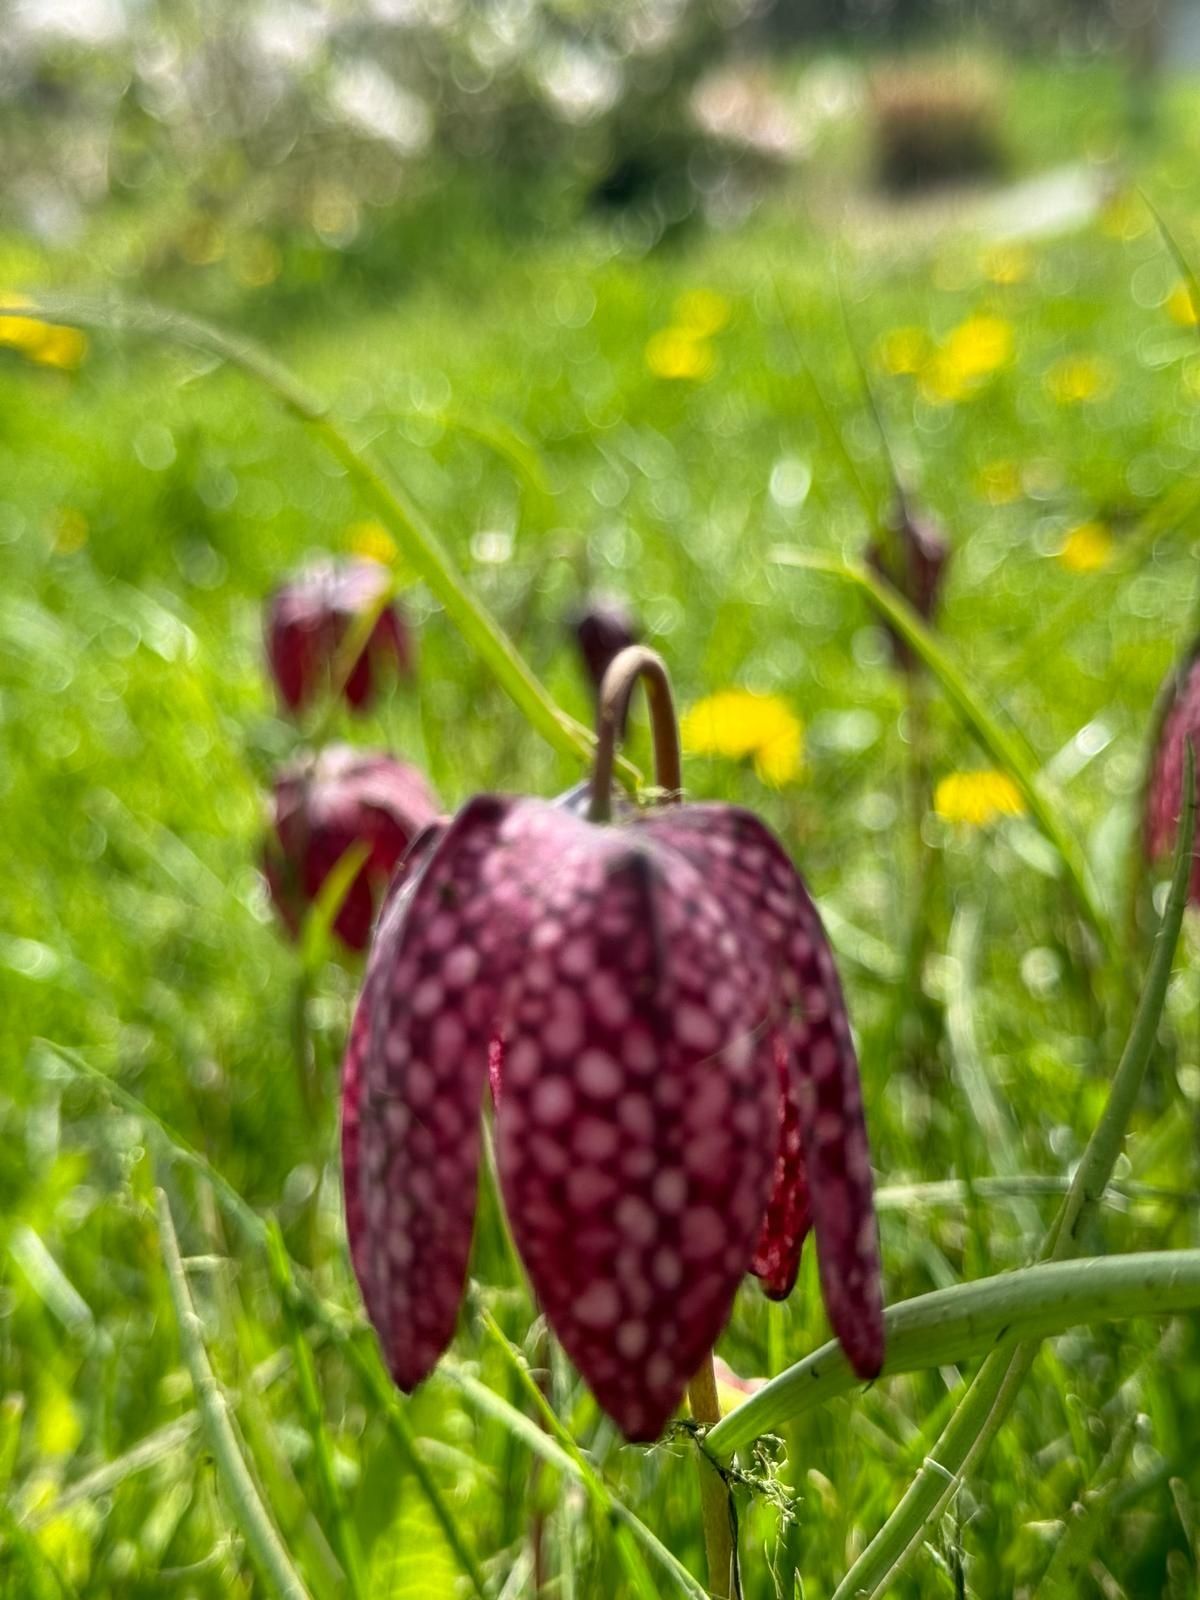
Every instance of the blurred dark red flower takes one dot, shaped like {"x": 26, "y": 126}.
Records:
{"x": 658, "y": 1006}
{"x": 602, "y": 627}
{"x": 309, "y": 617}
{"x": 912, "y": 554}
{"x": 325, "y": 805}
{"x": 1178, "y": 721}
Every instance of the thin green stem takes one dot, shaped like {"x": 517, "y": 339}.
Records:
{"x": 262, "y": 1537}
{"x": 716, "y": 1504}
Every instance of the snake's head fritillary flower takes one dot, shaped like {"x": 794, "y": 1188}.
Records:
{"x": 678, "y": 1099}
{"x": 1178, "y": 722}
{"x": 602, "y": 627}
{"x": 311, "y": 616}
{"x": 326, "y": 805}
{"x": 912, "y": 555}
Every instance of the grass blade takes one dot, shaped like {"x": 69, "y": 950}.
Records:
{"x": 598, "y": 1492}
{"x": 262, "y": 1537}
{"x": 337, "y": 1324}
{"x": 574, "y": 1466}
{"x": 345, "y": 1537}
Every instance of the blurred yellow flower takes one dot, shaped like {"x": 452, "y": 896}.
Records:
{"x": 57, "y": 1424}
{"x": 372, "y": 541}
{"x": 70, "y": 531}
{"x": 969, "y": 353}
{"x": 255, "y": 261}
{"x": 977, "y": 798}
{"x": 1181, "y": 307}
{"x": 1000, "y": 482}
{"x": 1087, "y": 548}
{"x": 903, "y": 351}
{"x": 678, "y": 353}
{"x": 43, "y": 342}
{"x": 1007, "y": 263}
{"x": 737, "y": 723}
{"x": 1076, "y": 379}
{"x": 980, "y": 345}
{"x": 701, "y": 312}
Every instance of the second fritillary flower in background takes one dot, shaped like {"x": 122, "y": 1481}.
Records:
{"x": 49, "y": 344}
{"x": 327, "y": 805}
{"x": 912, "y": 554}
{"x": 740, "y": 724}
{"x": 602, "y": 627}
{"x": 1178, "y": 722}
{"x": 309, "y": 620}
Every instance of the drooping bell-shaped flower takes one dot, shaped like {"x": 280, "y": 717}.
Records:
{"x": 310, "y": 620}
{"x": 326, "y": 805}
{"x": 1178, "y": 721}
{"x": 912, "y": 554}
{"x": 602, "y": 627}
{"x": 678, "y": 1094}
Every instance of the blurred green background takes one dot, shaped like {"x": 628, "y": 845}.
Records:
{"x": 606, "y": 287}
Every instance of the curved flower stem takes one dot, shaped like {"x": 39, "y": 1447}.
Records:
{"x": 623, "y": 673}
{"x": 716, "y": 1506}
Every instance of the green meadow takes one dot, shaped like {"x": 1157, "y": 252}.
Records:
{"x": 706, "y": 425}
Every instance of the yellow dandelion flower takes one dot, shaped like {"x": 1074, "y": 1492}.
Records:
{"x": 701, "y": 312}
{"x": 1074, "y": 380}
{"x": 372, "y": 541}
{"x": 1087, "y": 548}
{"x": 64, "y": 348}
{"x": 977, "y": 798}
{"x": 1007, "y": 263}
{"x": 678, "y": 353}
{"x": 738, "y": 723}
{"x": 979, "y": 346}
{"x": 967, "y": 356}
{"x": 999, "y": 482}
{"x": 941, "y": 383}
{"x": 1180, "y": 306}
{"x": 43, "y": 342}
{"x": 903, "y": 351}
